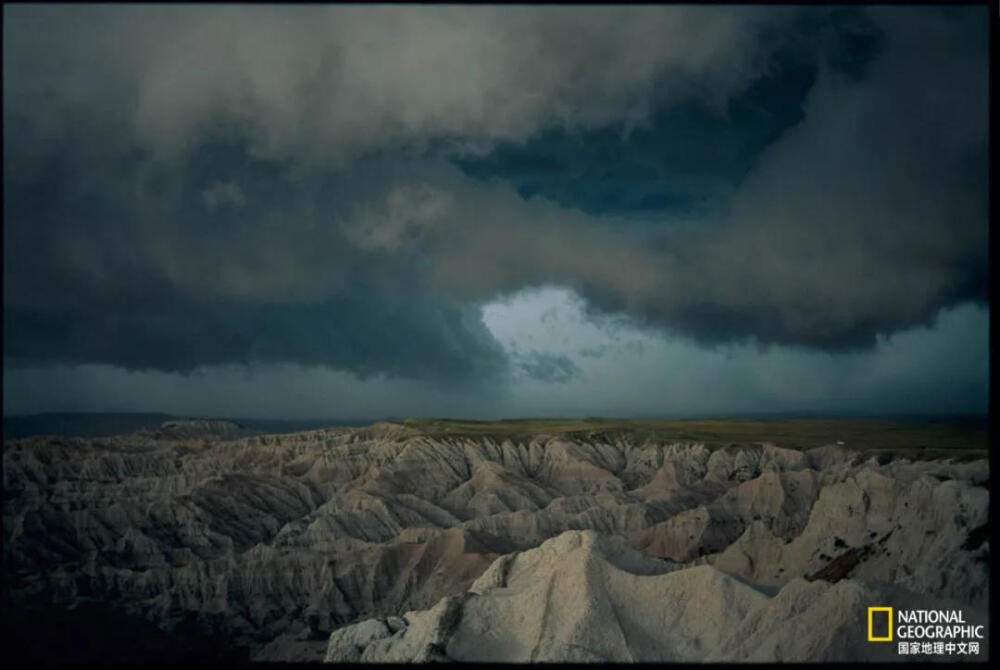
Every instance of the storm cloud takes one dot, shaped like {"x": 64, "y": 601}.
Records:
{"x": 348, "y": 186}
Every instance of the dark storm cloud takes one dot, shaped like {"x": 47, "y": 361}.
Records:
{"x": 688, "y": 158}
{"x": 171, "y": 271}
{"x": 867, "y": 217}
{"x": 192, "y": 186}
{"x": 330, "y": 83}
{"x": 189, "y": 186}
{"x": 417, "y": 339}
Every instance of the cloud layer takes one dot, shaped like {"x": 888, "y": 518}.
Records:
{"x": 211, "y": 185}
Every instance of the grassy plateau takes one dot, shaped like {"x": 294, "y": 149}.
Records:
{"x": 924, "y": 438}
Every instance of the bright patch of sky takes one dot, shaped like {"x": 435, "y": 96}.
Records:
{"x": 622, "y": 369}
{"x": 597, "y": 366}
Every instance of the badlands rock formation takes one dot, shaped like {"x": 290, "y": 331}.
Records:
{"x": 591, "y": 598}
{"x": 381, "y": 543}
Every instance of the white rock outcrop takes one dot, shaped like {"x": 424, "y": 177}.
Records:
{"x": 589, "y": 598}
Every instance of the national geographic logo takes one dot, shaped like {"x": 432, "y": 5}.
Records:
{"x": 939, "y": 632}
{"x": 880, "y": 624}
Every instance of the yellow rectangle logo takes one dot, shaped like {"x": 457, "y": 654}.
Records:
{"x": 871, "y": 624}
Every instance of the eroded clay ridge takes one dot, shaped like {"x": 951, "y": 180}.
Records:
{"x": 280, "y": 540}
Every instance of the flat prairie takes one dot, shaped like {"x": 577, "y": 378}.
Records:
{"x": 923, "y": 438}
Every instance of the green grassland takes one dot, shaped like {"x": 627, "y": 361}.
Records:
{"x": 924, "y": 438}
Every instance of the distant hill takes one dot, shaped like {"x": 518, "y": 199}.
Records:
{"x": 82, "y": 424}
{"x": 103, "y": 424}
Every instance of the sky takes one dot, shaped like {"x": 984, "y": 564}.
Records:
{"x": 361, "y": 212}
